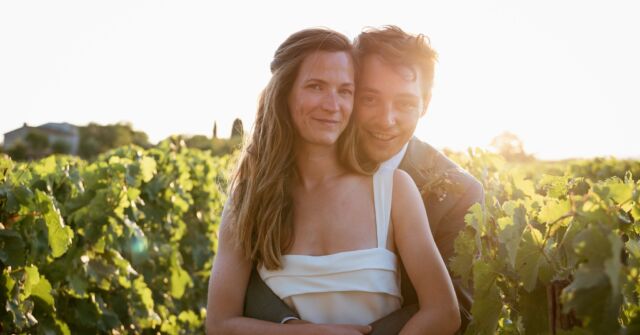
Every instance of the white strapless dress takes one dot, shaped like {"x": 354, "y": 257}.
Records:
{"x": 355, "y": 287}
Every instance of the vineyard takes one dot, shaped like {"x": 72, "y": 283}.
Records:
{"x": 124, "y": 244}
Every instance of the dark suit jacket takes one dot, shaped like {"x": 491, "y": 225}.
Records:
{"x": 447, "y": 192}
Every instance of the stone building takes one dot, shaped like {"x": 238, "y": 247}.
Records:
{"x": 55, "y": 132}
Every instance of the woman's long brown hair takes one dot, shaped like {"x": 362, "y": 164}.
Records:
{"x": 262, "y": 205}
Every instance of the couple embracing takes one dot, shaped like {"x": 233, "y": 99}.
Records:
{"x": 332, "y": 224}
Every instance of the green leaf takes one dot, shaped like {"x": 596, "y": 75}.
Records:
{"x": 77, "y": 285}
{"x": 63, "y": 328}
{"x": 462, "y": 261}
{"x": 553, "y": 210}
{"x": 556, "y": 186}
{"x": 23, "y": 194}
{"x": 143, "y": 292}
{"x": 509, "y": 207}
{"x": 43, "y": 291}
{"x": 524, "y": 185}
{"x": 591, "y": 297}
{"x": 148, "y": 168}
{"x": 510, "y": 232}
{"x": 487, "y": 303}
{"x": 180, "y": 279}
{"x": 6, "y": 166}
{"x": 31, "y": 279}
{"x": 613, "y": 266}
{"x": 12, "y": 248}
{"x": 190, "y": 319}
{"x": 100, "y": 271}
{"x": 475, "y": 219}
{"x": 45, "y": 166}
{"x": 634, "y": 248}
{"x": 534, "y": 310}
{"x": 593, "y": 245}
{"x": 21, "y": 313}
{"x": 529, "y": 258}
{"x": 60, "y": 236}
{"x": 618, "y": 190}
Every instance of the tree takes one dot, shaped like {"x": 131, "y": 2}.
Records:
{"x": 199, "y": 141}
{"x": 96, "y": 139}
{"x": 37, "y": 144}
{"x": 61, "y": 147}
{"x": 18, "y": 152}
{"x": 236, "y": 129}
{"x": 510, "y": 147}
{"x": 215, "y": 129}
{"x": 37, "y": 141}
{"x": 221, "y": 146}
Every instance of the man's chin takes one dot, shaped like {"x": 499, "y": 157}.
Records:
{"x": 378, "y": 155}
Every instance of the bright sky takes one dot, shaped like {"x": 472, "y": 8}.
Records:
{"x": 562, "y": 75}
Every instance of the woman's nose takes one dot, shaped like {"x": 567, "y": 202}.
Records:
{"x": 330, "y": 102}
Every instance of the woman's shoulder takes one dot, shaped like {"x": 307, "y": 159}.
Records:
{"x": 406, "y": 196}
{"x": 402, "y": 179}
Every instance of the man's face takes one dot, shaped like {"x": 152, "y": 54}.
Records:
{"x": 389, "y": 103}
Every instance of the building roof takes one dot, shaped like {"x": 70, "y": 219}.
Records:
{"x": 62, "y": 128}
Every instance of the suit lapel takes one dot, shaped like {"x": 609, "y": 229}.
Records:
{"x": 413, "y": 163}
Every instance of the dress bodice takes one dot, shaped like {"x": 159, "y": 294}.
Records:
{"x": 357, "y": 286}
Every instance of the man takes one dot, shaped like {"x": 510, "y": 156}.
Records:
{"x": 393, "y": 93}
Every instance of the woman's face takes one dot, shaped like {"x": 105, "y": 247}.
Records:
{"x": 321, "y": 99}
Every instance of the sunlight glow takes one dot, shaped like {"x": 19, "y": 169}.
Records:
{"x": 562, "y": 76}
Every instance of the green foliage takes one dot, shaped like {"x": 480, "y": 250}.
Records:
{"x": 61, "y": 147}
{"x": 96, "y": 139}
{"x": 552, "y": 251}
{"x": 216, "y": 146}
{"x": 18, "y": 151}
{"x": 123, "y": 244}
{"x": 237, "y": 130}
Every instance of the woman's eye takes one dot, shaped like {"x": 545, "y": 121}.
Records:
{"x": 346, "y": 92}
{"x": 315, "y": 87}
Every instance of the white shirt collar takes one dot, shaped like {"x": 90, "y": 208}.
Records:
{"x": 394, "y": 162}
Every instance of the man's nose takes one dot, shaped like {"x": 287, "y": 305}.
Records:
{"x": 387, "y": 115}
{"x": 330, "y": 102}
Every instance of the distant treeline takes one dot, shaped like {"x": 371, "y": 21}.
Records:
{"x": 96, "y": 139}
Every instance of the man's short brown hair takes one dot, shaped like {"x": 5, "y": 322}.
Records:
{"x": 398, "y": 47}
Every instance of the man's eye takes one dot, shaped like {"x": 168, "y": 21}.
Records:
{"x": 407, "y": 105}
{"x": 368, "y": 99}
{"x": 316, "y": 87}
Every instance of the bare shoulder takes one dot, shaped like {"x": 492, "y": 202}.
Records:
{"x": 403, "y": 187}
{"x": 407, "y": 208}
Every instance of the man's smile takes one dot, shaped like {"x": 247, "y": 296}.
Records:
{"x": 381, "y": 136}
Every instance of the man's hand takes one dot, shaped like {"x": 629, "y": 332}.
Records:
{"x": 335, "y": 329}
{"x": 295, "y": 322}
{"x": 344, "y": 329}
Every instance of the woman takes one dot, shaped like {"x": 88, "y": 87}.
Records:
{"x": 323, "y": 232}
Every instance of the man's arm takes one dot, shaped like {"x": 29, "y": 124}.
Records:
{"x": 261, "y": 303}
{"x": 393, "y": 323}
{"x": 448, "y": 193}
